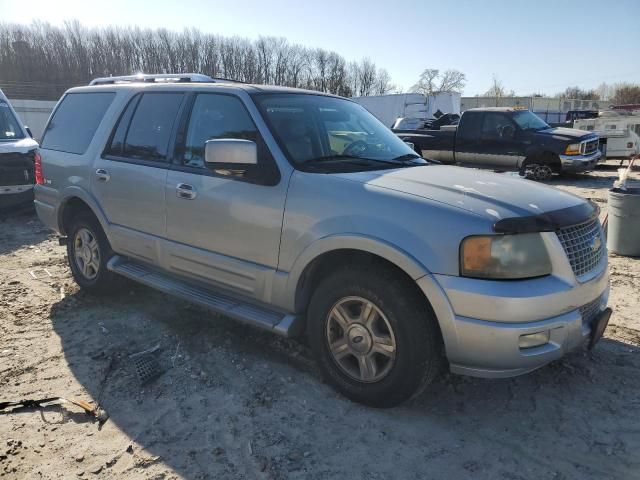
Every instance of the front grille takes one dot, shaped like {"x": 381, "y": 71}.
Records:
{"x": 590, "y": 311}
{"x": 590, "y": 146}
{"x": 583, "y": 245}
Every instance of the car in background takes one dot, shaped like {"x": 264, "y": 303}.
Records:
{"x": 508, "y": 139}
{"x": 18, "y": 152}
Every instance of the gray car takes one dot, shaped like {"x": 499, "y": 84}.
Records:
{"x": 299, "y": 212}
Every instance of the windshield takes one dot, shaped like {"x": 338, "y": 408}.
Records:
{"x": 314, "y": 129}
{"x": 527, "y": 120}
{"x": 9, "y": 126}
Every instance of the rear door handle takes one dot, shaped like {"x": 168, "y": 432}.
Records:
{"x": 186, "y": 191}
{"x": 102, "y": 175}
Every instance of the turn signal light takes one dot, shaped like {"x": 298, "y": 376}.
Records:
{"x": 476, "y": 254}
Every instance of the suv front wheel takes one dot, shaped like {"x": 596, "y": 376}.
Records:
{"x": 88, "y": 251}
{"x": 374, "y": 337}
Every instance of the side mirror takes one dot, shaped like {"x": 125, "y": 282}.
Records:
{"x": 230, "y": 153}
{"x": 28, "y": 131}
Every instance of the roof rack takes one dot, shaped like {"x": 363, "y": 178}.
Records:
{"x": 161, "y": 78}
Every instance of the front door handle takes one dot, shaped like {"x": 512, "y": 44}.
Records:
{"x": 102, "y": 175}
{"x": 185, "y": 191}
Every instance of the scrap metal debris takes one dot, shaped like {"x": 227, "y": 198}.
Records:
{"x": 39, "y": 273}
{"x": 150, "y": 350}
{"x": 147, "y": 368}
{"x": 90, "y": 409}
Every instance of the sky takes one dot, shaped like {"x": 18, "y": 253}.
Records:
{"x": 530, "y": 46}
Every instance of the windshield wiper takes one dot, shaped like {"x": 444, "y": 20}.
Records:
{"x": 406, "y": 157}
{"x": 327, "y": 158}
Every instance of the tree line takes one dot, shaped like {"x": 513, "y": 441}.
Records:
{"x": 40, "y": 61}
{"x": 619, "y": 93}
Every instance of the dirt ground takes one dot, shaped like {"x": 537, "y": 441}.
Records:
{"x": 234, "y": 402}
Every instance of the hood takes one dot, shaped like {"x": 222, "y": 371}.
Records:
{"x": 568, "y": 134}
{"x": 490, "y": 195}
{"x": 23, "y": 145}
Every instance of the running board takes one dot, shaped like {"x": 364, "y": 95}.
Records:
{"x": 284, "y": 324}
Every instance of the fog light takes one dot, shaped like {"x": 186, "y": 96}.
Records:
{"x": 533, "y": 339}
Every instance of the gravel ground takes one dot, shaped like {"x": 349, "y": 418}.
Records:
{"x": 234, "y": 402}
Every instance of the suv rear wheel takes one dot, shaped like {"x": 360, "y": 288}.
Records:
{"x": 374, "y": 338}
{"x": 88, "y": 251}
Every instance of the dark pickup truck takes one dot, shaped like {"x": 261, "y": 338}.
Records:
{"x": 508, "y": 139}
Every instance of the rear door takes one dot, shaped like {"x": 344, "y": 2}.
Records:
{"x": 227, "y": 230}
{"x": 129, "y": 177}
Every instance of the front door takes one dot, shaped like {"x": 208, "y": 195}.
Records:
{"x": 224, "y": 226}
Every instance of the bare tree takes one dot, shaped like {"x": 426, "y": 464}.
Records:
{"x": 580, "y": 94}
{"x": 497, "y": 88}
{"x": 452, "y": 81}
{"x": 41, "y": 60}
{"x": 427, "y": 82}
{"x": 366, "y": 77}
{"x": 432, "y": 81}
{"x": 626, "y": 93}
{"x": 383, "y": 82}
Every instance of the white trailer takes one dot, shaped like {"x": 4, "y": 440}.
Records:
{"x": 387, "y": 108}
{"x": 619, "y": 134}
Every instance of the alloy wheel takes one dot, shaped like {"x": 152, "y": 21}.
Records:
{"x": 360, "y": 339}
{"x": 86, "y": 253}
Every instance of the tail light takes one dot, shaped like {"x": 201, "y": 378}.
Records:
{"x": 37, "y": 168}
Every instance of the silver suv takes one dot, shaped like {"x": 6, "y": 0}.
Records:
{"x": 299, "y": 212}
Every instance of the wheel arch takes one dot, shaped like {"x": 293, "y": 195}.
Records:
{"x": 320, "y": 257}
{"x": 543, "y": 156}
{"x": 74, "y": 201}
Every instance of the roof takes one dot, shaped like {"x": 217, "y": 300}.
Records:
{"x": 495, "y": 109}
{"x": 181, "y": 80}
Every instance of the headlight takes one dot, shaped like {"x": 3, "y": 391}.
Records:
{"x": 573, "y": 149}
{"x": 504, "y": 256}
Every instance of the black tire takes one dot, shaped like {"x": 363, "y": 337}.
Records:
{"x": 418, "y": 352}
{"x": 547, "y": 160}
{"x": 104, "y": 281}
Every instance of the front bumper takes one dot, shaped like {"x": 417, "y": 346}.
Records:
{"x": 580, "y": 163}
{"x": 482, "y": 321}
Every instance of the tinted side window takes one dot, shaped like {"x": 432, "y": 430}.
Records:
{"x": 471, "y": 125}
{"x": 116, "y": 147}
{"x": 149, "y": 133}
{"x": 215, "y": 116}
{"x": 75, "y": 121}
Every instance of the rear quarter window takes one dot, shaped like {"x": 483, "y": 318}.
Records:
{"x": 75, "y": 121}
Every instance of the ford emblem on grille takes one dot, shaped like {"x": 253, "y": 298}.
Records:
{"x": 596, "y": 243}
